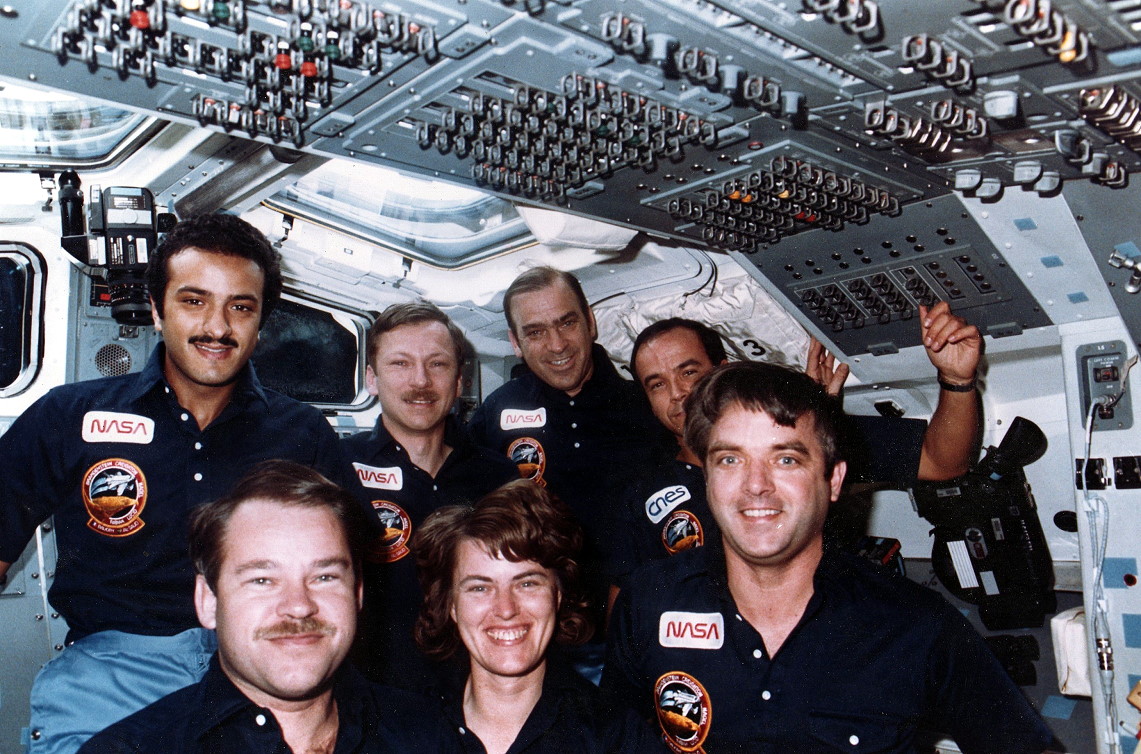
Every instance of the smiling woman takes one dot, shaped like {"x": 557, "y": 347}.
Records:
{"x": 500, "y": 582}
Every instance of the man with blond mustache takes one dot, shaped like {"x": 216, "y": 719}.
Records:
{"x": 415, "y": 460}
{"x": 284, "y": 607}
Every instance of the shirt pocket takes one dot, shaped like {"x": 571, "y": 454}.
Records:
{"x": 857, "y": 733}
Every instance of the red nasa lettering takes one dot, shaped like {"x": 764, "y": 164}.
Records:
{"x": 377, "y": 476}
{"x": 693, "y": 629}
{"x": 685, "y": 630}
{"x": 118, "y": 426}
{"x": 522, "y": 419}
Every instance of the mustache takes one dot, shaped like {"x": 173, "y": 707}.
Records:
{"x": 420, "y": 395}
{"x": 207, "y": 340}
{"x": 295, "y": 628}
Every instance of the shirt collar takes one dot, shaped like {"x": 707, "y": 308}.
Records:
{"x": 830, "y": 574}
{"x": 454, "y": 436}
{"x": 602, "y": 379}
{"x": 223, "y": 701}
{"x": 247, "y": 385}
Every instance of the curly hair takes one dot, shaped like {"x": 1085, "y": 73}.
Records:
{"x": 218, "y": 233}
{"x": 519, "y": 521}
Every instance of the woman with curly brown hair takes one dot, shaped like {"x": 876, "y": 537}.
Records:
{"x": 500, "y": 582}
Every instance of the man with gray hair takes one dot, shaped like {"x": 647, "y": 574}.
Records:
{"x": 571, "y": 423}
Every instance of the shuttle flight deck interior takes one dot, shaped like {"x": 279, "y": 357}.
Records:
{"x": 775, "y": 169}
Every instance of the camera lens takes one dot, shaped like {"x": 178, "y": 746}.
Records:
{"x": 129, "y": 302}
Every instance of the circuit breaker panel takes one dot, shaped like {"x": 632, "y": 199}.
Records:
{"x": 824, "y": 142}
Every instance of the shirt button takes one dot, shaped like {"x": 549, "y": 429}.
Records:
{"x": 854, "y": 740}
{"x": 576, "y": 445}
{"x": 435, "y": 488}
{"x": 198, "y": 477}
{"x": 198, "y": 446}
{"x": 462, "y": 731}
{"x": 185, "y": 417}
{"x": 574, "y": 425}
{"x": 757, "y": 654}
{"x": 260, "y": 719}
{"x": 766, "y": 695}
{"x": 572, "y": 403}
{"x": 166, "y": 390}
{"x": 738, "y": 616}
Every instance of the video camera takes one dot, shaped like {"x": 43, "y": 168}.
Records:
{"x": 116, "y": 235}
{"x": 989, "y": 547}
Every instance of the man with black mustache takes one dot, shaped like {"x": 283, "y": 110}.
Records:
{"x": 284, "y": 607}
{"x": 121, "y": 462}
{"x": 415, "y": 460}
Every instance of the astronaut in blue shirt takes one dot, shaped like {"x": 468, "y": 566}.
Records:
{"x": 415, "y": 460}
{"x": 285, "y": 609}
{"x": 664, "y": 511}
{"x": 766, "y": 640}
{"x": 120, "y": 463}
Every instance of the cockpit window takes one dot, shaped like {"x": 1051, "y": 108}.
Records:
{"x": 21, "y": 311}
{"x": 312, "y": 353}
{"x": 433, "y": 222}
{"x": 45, "y": 129}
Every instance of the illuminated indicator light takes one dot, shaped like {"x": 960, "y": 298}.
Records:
{"x": 309, "y": 68}
{"x": 784, "y": 194}
{"x": 140, "y": 19}
{"x": 346, "y": 4}
{"x": 747, "y": 198}
{"x": 190, "y": 5}
{"x": 332, "y": 52}
{"x": 1068, "y": 48}
{"x": 221, "y": 11}
{"x": 414, "y": 28}
{"x": 283, "y": 61}
{"x": 305, "y": 44}
{"x": 735, "y": 195}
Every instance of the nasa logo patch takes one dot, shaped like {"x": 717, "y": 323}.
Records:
{"x": 684, "y": 711}
{"x": 111, "y": 426}
{"x": 527, "y": 453}
{"x": 115, "y": 493}
{"x": 517, "y": 418}
{"x": 380, "y": 478}
{"x": 682, "y": 531}
{"x": 683, "y": 630}
{"x": 392, "y": 544}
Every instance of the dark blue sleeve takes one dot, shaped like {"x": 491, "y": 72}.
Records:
{"x": 329, "y": 457}
{"x": 33, "y": 469}
{"x": 621, "y": 683}
{"x": 975, "y": 701}
{"x": 621, "y": 550}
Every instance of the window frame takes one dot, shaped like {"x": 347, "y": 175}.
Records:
{"x": 29, "y": 259}
{"x": 357, "y": 323}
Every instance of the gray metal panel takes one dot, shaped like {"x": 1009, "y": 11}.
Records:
{"x": 399, "y": 95}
